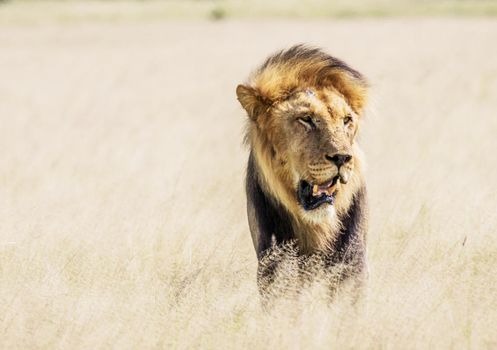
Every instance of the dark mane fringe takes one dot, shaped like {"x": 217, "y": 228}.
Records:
{"x": 302, "y": 53}
{"x": 302, "y": 66}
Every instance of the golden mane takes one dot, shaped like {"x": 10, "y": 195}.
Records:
{"x": 302, "y": 67}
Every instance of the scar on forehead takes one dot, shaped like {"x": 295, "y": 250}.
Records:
{"x": 310, "y": 93}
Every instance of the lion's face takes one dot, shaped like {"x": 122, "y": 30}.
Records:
{"x": 312, "y": 135}
{"x": 304, "y": 108}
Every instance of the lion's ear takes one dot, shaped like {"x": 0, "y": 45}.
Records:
{"x": 251, "y": 100}
{"x": 354, "y": 89}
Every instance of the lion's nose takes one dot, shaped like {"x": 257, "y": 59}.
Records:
{"x": 339, "y": 159}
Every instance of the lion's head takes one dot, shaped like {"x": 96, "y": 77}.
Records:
{"x": 304, "y": 110}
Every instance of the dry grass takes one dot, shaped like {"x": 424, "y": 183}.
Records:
{"x": 122, "y": 213}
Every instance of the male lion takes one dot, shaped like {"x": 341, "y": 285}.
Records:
{"x": 304, "y": 180}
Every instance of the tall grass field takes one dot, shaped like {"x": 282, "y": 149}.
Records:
{"x": 122, "y": 206}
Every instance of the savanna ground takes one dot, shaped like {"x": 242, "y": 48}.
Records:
{"x": 122, "y": 210}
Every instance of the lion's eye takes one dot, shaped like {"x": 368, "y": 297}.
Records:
{"x": 307, "y": 122}
{"x": 347, "y": 120}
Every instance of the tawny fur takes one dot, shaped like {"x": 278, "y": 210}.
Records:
{"x": 306, "y": 79}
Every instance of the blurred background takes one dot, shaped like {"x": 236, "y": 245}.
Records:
{"x": 147, "y": 10}
{"x": 122, "y": 208}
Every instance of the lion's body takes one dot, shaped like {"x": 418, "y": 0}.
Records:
{"x": 289, "y": 152}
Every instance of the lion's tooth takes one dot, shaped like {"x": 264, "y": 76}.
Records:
{"x": 344, "y": 177}
{"x": 332, "y": 189}
{"x": 315, "y": 190}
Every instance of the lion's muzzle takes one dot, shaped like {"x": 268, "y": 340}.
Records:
{"x": 344, "y": 164}
{"x": 325, "y": 180}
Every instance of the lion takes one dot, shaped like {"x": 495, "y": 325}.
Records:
{"x": 304, "y": 180}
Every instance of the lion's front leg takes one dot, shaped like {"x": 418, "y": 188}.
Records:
{"x": 266, "y": 275}
{"x": 279, "y": 270}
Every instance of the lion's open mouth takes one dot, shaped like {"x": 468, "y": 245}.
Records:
{"x": 312, "y": 196}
